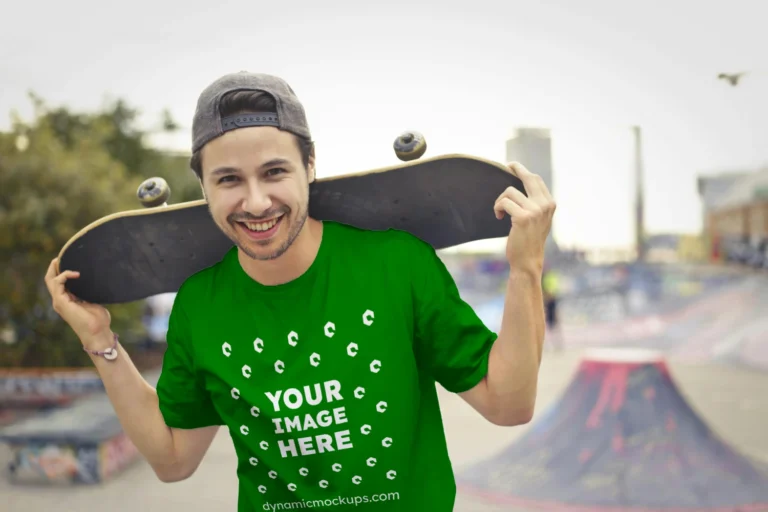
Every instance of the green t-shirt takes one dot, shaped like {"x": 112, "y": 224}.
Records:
{"x": 327, "y": 383}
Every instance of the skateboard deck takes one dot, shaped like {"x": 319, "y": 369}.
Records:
{"x": 444, "y": 200}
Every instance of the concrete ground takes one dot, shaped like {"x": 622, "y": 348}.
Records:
{"x": 728, "y": 398}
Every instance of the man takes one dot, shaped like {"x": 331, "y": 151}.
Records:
{"x": 551, "y": 290}
{"x": 318, "y": 344}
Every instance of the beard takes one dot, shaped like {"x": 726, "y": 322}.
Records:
{"x": 294, "y": 227}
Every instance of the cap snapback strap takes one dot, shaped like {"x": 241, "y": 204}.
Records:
{"x": 250, "y": 119}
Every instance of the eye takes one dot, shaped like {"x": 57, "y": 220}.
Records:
{"x": 275, "y": 171}
{"x": 227, "y": 179}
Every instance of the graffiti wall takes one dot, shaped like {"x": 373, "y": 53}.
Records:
{"x": 72, "y": 463}
{"x": 81, "y": 443}
{"x": 55, "y": 463}
{"x": 115, "y": 455}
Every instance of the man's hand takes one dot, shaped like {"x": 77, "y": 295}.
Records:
{"x": 91, "y": 322}
{"x": 507, "y": 395}
{"x": 531, "y": 219}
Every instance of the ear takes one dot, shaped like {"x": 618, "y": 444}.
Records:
{"x": 203, "y": 189}
{"x": 311, "y": 168}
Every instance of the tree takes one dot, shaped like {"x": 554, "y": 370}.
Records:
{"x": 58, "y": 173}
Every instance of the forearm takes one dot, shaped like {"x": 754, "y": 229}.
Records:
{"x": 513, "y": 366}
{"x": 136, "y": 404}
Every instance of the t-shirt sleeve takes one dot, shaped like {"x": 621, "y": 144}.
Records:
{"x": 452, "y": 340}
{"x": 184, "y": 402}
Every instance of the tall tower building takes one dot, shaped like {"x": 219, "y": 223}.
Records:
{"x": 532, "y": 147}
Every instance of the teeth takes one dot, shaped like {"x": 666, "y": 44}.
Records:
{"x": 262, "y": 226}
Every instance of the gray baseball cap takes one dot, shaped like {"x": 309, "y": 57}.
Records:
{"x": 208, "y": 123}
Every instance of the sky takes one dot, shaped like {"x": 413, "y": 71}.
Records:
{"x": 465, "y": 74}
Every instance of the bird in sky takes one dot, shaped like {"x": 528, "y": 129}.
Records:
{"x": 732, "y": 78}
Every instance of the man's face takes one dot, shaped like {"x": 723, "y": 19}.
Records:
{"x": 257, "y": 189}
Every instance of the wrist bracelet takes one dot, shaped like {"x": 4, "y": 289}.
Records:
{"x": 110, "y": 354}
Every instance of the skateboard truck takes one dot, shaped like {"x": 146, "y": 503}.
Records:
{"x": 154, "y": 192}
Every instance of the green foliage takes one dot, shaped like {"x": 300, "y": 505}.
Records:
{"x": 58, "y": 173}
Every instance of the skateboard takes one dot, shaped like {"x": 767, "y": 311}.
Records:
{"x": 131, "y": 255}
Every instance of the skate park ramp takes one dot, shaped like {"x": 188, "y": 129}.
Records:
{"x": 82, "y": 443}
{"x": 621, "y": 437}
{"x": 708, "y": 315}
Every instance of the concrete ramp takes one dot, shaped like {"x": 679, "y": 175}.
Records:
{"x": 82, "y": 443}
{"x": 621, "y": 438}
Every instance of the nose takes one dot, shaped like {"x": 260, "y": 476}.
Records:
{"x": 257, "y": 200}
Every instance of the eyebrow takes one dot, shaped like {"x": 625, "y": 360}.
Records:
{"x": 274, "y": 162}
{"x": 223, "y": 170}
{"x": 229, "y": 170}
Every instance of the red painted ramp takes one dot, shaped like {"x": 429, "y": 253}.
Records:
{"x": 621, "y": 438}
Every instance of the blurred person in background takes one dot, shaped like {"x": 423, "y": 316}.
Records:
{"x": 551, "y": 291}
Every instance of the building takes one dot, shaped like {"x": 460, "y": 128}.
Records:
{"x": 532, "y": 147}
{"x": 735, "y": 210}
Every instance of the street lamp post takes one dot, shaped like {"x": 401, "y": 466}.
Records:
{"x": 639, "y": 196}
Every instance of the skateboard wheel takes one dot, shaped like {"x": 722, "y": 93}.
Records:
{"x": 410, "y": 146}
{"x": 153, "y": 192}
